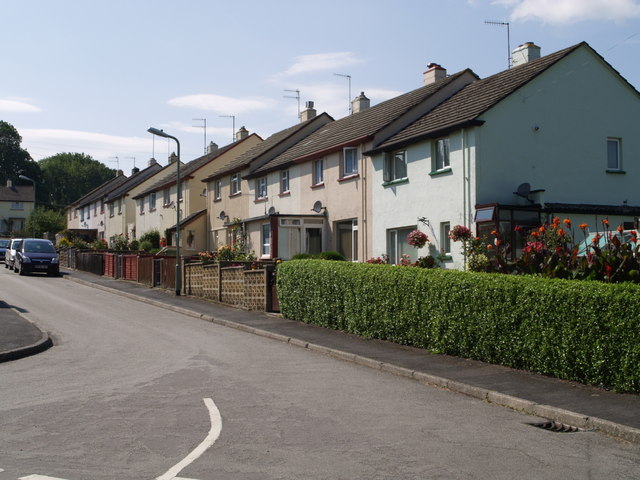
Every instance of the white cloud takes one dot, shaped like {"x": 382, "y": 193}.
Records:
{"x": 560, "y": 12}
{"x": 17, "y": 105}
{"x": 221, "y": 104}
{"x": 319, "y": 62}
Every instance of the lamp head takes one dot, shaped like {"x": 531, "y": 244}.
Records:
{"x": 158, "y": 132}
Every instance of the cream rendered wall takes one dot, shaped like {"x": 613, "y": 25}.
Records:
{"x": 7, "y": 213}
{"x": 438, "y": 198}
{"x": 342, "y": 199}
{"x": 236, "y": 206}
{"x": 553, "y": 132}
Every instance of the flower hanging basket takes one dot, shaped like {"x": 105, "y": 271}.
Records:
{"x": 417, "y": 239}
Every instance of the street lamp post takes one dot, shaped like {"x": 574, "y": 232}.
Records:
{"x": 160, "y": 133}
{"x": 24, "y": 177}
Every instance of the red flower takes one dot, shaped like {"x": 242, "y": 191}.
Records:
{"x": 561, "y": 232}
{"x": 608, "y": 270}
{"x": 517, "y": 228}
{"x": 620, "y": 228}
{"x": 542, "y": 229}
{"x": 535, "y": 234}
{"x": 556, "y": 221}
{"x": 494, "y": 232}
{"x": 596, "y": 239}
{"x": 583, "y": 226}
{"x": 605, "y": 222}
{"x": 489, "y": 247}
{"x": 567, "y": 222}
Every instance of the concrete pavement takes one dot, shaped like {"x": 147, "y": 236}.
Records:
{"x": 567, "y": 402}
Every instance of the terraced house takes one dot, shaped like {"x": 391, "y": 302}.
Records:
{"x": 156, "y": 204}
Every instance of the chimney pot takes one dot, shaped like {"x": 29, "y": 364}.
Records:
{"x": 242, "y": 133}
{"x": 308, "y": 113}
{"x": 152, "y": 161}
{"x": 172, "y": 158}
{"x": 524, "y": 53}
{"x": 134, "y": 170}
{"x": 360, "y": 103}
{"x": 9, "y": 183}
{"x": 212, "y": 148}
{"x": 433, "y": 73}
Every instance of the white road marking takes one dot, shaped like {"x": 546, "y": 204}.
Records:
{"x": 39, "y": 477}
{"x": 214, "y": 433}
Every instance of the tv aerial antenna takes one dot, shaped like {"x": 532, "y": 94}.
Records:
{"x": 348, "y": 77}
{"x": 117, "y": 160}
{"x": 233, "y": 126}
{"x": 297, "y": 97}
{"x": 132, "y": 158}
{"x": 204, "y": 126}
{"x": 503, "y": 24}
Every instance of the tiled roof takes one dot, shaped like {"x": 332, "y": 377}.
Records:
{"x": 185, "y": 221}
{"x": 475, "y": 99}
{"x": 134, "y": 180}
{"x": 360, "y": 125}
{"x": 189, "y": 168}
{"x": 16, "y": 194}
{"x": 270, "y": 145}
{"x": 100, "y": 191}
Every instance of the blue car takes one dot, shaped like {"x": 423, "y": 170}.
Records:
{"x": 36, "y": 255}
{"x": 4, "y": 244}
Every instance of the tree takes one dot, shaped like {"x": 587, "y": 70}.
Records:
{"x": 66, "y": 177}
{"x": 14, "y": 160}
{"x": 42, "y": 221}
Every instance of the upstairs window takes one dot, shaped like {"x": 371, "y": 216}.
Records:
{"x": 17, "y": 206}
{"x": 441, "y": 154}
{"x": 349, "y": 162}
{"x": 284, "y": 181}
{"x": 111, "y": 209}
{"x": 141, "y": 200}
{"x": 166, "y": 197}
{"x": 395, "y": 166}
{"x": 217, "y": 190}
{"x": 101, "y": 206}
{"x": 152, "y": 201}
{"x": 119, "y": 206}
{"x": 235, "y": 183}
{"x": 261, "y": 188}
{"x": 613, "y": 154}
{"x": 318, "y": 172}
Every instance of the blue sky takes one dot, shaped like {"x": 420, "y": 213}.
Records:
{"x": 87, "y": 76}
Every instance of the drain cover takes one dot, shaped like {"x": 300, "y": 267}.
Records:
{"x": 558, "y": 427}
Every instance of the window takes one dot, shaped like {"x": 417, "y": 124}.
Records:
{"x": 88, "y": 212}
{"x": 445, "y": 241}
{"x": 395, "y": 166}
{"x": 152, "y": 201}
{"x": 441, "y": 154}
{"x": 261, "y": 188}
{"x": 81, "y": 214}
{"x": 318, "y": 172}
{"x": 397, "y": 245}
{"x": 95, "y": 209}
{"x": 141, "y": 200}
{"x": 266, "y": 240}
{"x": 166, "y": 197}
{"x": 348, "y": 239}
{"x": 17, "y": 206}
{"x": 284, "y": 181}
{"x": 217, "y": 190}
{"x": 101, "y": 206}
{"x": 120, "y": 206}
{"x": 349, "y": 162}
{"x": 111, "y": 209}
{"x": 613, "y": 154}
{"x": 235, "y": 184}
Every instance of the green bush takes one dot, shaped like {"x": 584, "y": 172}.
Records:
{"x": 152, "y": 236}
{"x": 303, "y": 256}
{"x": 583, "y": 331}
{"x": 146, "y": 246}
{"x": 330, "y": 255}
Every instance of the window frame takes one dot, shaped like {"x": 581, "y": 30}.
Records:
{"x": 152, "y": 201}
{"x": 265, "y": 240}
{"x": 348, "y": 172}
{"x": 235, "y": 181}
{"x": 445, "y": 241}
{"x": 390, "y": 168}
{"x": 166, "y": 197}
{"x": 399, "y": 236}
{"x": 261, "y": 187}
{"x": 284, "y": 182}
{"x": 318, "y": 172}
{"x": 441, "y": 158}
{"x": 618, "y": 154}
{"x": 217, "y": 189}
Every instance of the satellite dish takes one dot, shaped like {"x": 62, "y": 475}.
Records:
{"x": 204, "y": 192}
{"x": 317, "y": 207}
{"x": 222, "y": 215}
{"x": 523, "y": 190}
{"x": 272, "y": 210}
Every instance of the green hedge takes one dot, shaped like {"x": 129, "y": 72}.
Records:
{"x": 577, "y": 330}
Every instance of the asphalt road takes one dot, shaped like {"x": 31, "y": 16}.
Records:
{"x": 127, "y": 392}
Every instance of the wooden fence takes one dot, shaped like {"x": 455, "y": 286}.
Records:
{"x": 247, "y": 285}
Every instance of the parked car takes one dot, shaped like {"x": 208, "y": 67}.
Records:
{"x": 10, "y": 253}
{"x": 36, "y": 255}
{"x": 4, "y": 244}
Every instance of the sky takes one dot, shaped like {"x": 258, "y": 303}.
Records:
{"x": 92, "y": 77}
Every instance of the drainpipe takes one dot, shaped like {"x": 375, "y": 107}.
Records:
{"x": 464, "y": 188}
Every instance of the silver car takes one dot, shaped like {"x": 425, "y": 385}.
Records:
{"x": 10, "y": 253}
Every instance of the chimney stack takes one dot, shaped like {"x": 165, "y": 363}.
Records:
{"x": 134, "y": 170}
{"x": 241, "y": 133}
{"x": 360, "y": 103}
{"x": 212, "y": 148}
{"x": 152, "y": 161}
{"x": 172, "y": 158}
{"x": 524, "y": 54}
{"x": 308, "y": 113}
{"x": 434, "y": 73}
{"x": 9, "y": 183}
